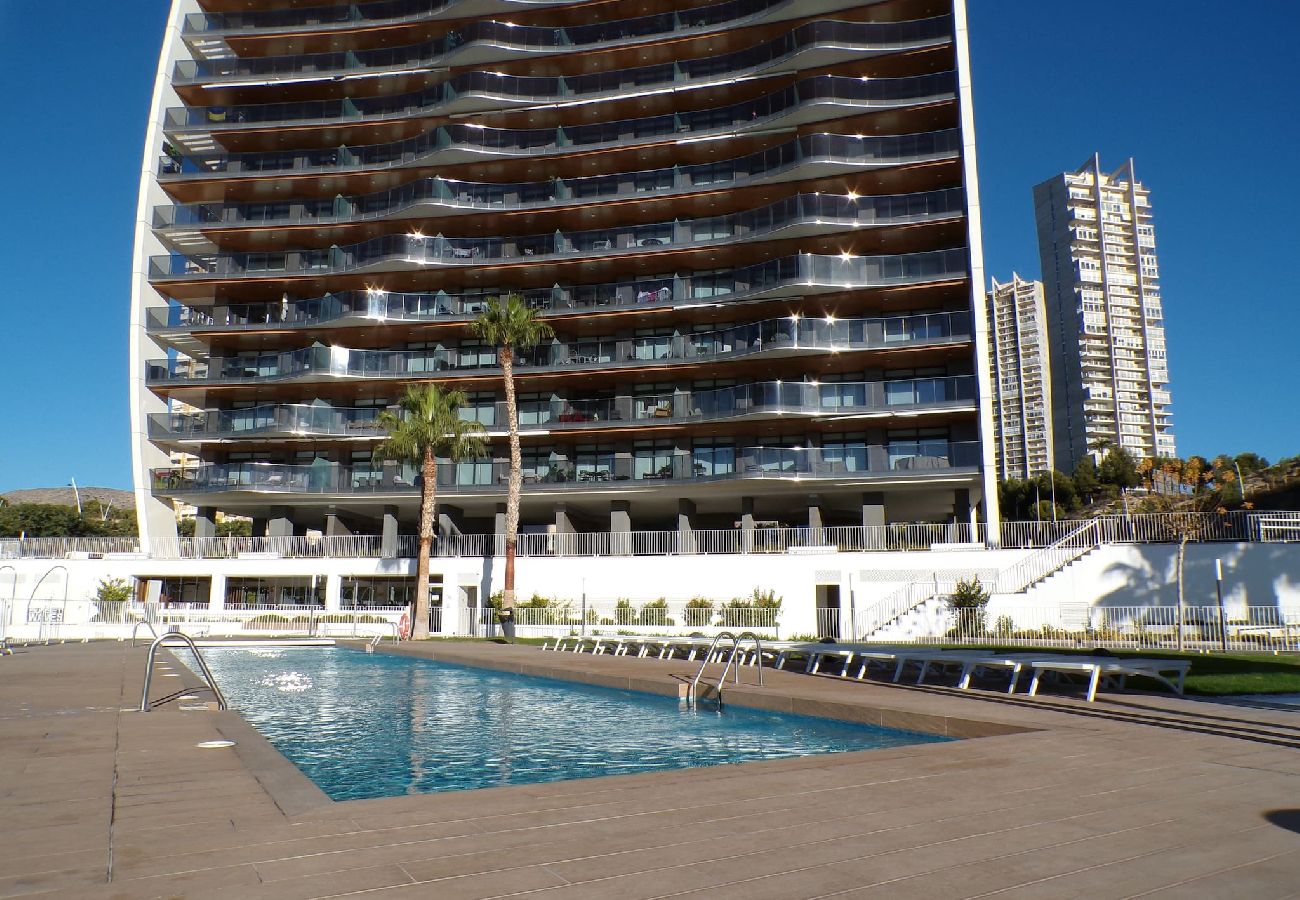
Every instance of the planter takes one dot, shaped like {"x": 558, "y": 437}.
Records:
{"x": 506, "y": 619}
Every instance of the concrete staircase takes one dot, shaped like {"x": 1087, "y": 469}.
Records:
{"x": 919, "y": 608}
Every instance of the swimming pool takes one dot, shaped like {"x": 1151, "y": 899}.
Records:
{"x": 373, "y": 725}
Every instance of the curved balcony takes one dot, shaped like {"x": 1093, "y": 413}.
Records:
{"x": 796, "y": 104}
{"x": 376, "y": 13}
{"x": 813, "y": 44}
{"x": 861, "y": 399}
{"x": 809, "y": 156}
{"x": 792, "y": 276}
{"x": 791, "y": 336}
{"x": 848, "y": 463}
{"x": 395, "y": 12}
{"x": 483, "y": 42}
{"x": 802, "y": 215}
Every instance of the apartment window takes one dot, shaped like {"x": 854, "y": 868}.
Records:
{"x": 711, "y": 458}
{"x": 652, "y": 459}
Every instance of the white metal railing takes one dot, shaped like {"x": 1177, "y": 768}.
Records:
{"x": 1050, "y": 559}
{"x": 657, "y": 616}
{"x": 1238, "y": 525}
{"x": 1235, "y": 628}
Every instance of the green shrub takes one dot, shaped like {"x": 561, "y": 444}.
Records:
{"x": 624, "y": 612}
{"x": 698, "y": 611}
{"x": 969, "y": 600}
{"x": 655, "y": 612}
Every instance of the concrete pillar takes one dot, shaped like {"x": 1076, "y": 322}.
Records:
{"x": 388, "y": 538}
{"x": 962, "y": 512}
{"x": 499, "y": 529}
{"x": 746, "y": 524}
{"x": 259, "y": 527}
{"x": 280, "y": 523}
{"x": 217, "y": 593}
{"x": 449, "y": 519}
{"x": 873, "y": 520}
{"x": 685, "y": 526}
{"x": 334, "y": 526}
{"x": 449, "y": 622}
{"x": 563, "y": 524}
{"x": 814, "y": 518}
{"x": 205, "y": 522}
{"x": 333, "y": 593}
{"x": 620, "y": 527}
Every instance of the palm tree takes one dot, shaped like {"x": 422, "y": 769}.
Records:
{"x": 428, "y": 425}
{"x": 510, "y": 325}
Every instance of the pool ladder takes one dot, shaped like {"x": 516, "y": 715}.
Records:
{"x": 186, "y": 640}
{"x": 693, "y": 692}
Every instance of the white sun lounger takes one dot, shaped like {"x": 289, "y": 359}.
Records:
{"x": 1094, "y": 668}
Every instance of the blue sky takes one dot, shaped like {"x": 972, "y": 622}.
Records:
{"x": 1203, "y": 99}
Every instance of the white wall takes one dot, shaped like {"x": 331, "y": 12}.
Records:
{"x": 1261, "y": 574}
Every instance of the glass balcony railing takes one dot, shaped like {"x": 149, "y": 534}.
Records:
{"x": 802, "y": 274}
{"x": 850, "y": 461}
{"x": 348, "y": 15}
{"x": 390, "y": 12}
{"x": 785, "y": 398}
{"x": 772, "y": 336}
{"x": 809, "y": 150}
{"x": 495, "y": 41}
{"x": 823, "y": 212}
{"x": 461, "y": 141}
{"x": 484, "y": 90}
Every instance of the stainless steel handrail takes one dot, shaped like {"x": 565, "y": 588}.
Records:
{"x": 758, "y": 648}
{"x": 693, "y": 694}
{"x": 146, "y": 623}
{"x": 185, "y": 639}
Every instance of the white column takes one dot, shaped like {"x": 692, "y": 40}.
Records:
{"x": 333, "y": 593}
{"x": 451, "y": 606}
{"x": 217, "y": 593}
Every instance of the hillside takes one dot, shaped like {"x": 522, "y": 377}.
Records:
{"x": 64, "y": 496}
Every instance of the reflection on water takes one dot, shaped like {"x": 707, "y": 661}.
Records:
{"x": 373, "y": 725}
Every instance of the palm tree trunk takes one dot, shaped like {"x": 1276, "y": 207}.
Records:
{"x": 1182, "y": 552}
{"x": 516, "y": 479}
{"x": 428, "y": 507}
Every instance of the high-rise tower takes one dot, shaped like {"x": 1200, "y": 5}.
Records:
{"x": 1022, "y": 393}
{"x": 752, "y": 224}
{"x": 1110, "y": 375}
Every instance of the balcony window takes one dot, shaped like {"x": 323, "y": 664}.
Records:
{"x": 652, "y": 459}
{"x": 712, "y": 458}
{"x": 594, "y": 462}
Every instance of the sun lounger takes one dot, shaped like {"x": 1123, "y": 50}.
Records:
{"x": 1095, "y": 668}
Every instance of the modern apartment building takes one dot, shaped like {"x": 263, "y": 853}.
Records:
{"x": 753, "y": 226}
{"x": 1022, "y": 393}
{"x": 1110, "y": 375}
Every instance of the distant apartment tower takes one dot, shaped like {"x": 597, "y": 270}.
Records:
{"x": 1022, "y": 394}
{"x": 1110, "y": 376}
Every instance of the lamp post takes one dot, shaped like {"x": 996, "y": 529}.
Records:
{"x": 76, "y": 493}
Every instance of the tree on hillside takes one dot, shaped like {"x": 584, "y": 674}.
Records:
{"x": 1193, "y": 513}
{"x": 510, "y": 325}
{"x": 429, "y": 425}
{"x": 1086, "y": 483}
{"x": 1118, "y": 470}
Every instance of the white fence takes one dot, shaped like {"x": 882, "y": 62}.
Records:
{"x": 649, "y": 617}
{"x": 54, "y": 620}
{"x": 1236, "y": 628}
{"x": 1238, "y": 525}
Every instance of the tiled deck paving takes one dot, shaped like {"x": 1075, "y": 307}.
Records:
{"x": 1128, "y": 796}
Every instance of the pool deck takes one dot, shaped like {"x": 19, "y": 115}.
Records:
{"x": 1132, "y": 795}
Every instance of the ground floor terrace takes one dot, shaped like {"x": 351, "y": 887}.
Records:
{"x": 1133, "y": 795}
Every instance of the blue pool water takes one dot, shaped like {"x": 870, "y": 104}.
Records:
{"x": 363, "y": 725}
